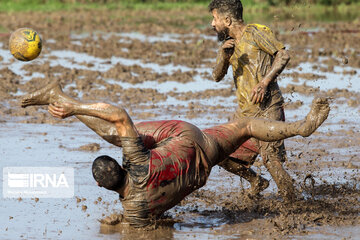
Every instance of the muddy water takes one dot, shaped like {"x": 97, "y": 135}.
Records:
{"x": 178, "y": 88}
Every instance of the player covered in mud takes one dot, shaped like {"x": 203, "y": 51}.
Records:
{"x": 257, "y": 58}
{"x": 163, "y": 161}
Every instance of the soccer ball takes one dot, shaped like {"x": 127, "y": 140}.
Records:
{"x": 25, "y": 44}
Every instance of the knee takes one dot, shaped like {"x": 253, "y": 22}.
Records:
{"x": 120, "y": 115}
{"x": 249, "y": 129}
{"x": 243, "y": 125}
{"x": 117, "y": 114}
{"x": 102, "y": 105}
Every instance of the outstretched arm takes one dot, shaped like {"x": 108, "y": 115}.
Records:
{"x": 124, "y": 125}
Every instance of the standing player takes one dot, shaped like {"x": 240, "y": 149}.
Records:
{"x": 257, "y": 58}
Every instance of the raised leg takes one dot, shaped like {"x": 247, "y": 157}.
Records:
{"x": 232, "y": 135}
{"x": 269, "y": 131}
{"x": 53, "y": 93}
{"x": 117, "y": 115}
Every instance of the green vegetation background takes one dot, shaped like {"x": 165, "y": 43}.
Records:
{"x": 318, "y": 10}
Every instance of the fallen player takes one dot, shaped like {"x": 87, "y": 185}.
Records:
{"x": 164, "y": 161}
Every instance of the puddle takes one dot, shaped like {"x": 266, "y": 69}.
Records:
{"x": 38, "y": 145}
{"x": 161, "y": 37}
{"x": 332, "y": 79}
{"x": 199, "y": 84}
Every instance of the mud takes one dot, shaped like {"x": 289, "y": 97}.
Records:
{"x": 92, "y": 147}
{"x": 338, "y": 206}
{"x": 158, "y": 66}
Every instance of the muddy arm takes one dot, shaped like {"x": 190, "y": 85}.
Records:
{"x": 221, "y": 67}
{"x": 222, "y": 61}
{"x": 282, "y": 58}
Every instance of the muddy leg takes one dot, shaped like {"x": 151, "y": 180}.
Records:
{"x": 273, "y": 155}
{"x": 53, "y": 93}
{"x": 257, "y": 182}
{"x": 236, "y": 133}
{"x": 232, "y": 135}
{"x": 266, "y": 130}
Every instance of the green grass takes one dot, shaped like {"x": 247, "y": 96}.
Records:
{"x": 54, "y": 5}
{"x": 254, "y": 10}
{"x": 172, "y": 4}
{"x": 47, "y": 5}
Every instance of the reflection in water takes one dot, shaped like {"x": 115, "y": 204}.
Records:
{"x": 165, "y": 231}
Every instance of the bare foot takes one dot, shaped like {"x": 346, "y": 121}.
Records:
{"x": 319, "y": 112}
{"x": 42, "y": 96}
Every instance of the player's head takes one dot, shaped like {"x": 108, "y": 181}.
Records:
{"x": 224, "y": 13}
{"x": 232, "y": 8}
{"x": 108, "y": 173}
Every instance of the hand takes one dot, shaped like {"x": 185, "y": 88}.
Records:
{"x": 228, "y": 47}
{"x": 258, "y": 93}
{"x": 61, "y": 110}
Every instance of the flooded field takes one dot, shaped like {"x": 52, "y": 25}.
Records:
{"x": 159, "y": 72}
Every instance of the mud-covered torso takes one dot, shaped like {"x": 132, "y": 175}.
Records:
{"x": 251, "y": 61}
{"x": 164, "y": 167}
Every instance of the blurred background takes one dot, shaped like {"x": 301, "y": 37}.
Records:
{"x": 319, "y": 10}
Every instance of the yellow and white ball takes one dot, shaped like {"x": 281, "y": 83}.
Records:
{"x": 25, "y": 44}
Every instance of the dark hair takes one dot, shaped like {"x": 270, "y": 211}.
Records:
{"x": 232, "y": 7}
{"x": 108, "y": 173}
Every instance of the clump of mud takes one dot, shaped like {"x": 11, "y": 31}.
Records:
{"x": 113, "y": 219}
{"x": 91, "y": 147}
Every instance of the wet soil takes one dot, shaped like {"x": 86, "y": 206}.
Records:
{"x": 158, "y": 66}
